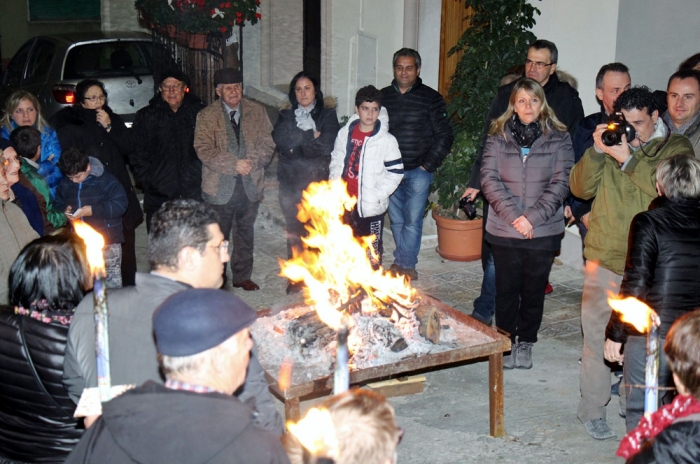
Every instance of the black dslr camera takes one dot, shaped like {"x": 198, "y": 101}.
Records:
{"x": 466, "y": 204}
{"x": 618, "y": 125}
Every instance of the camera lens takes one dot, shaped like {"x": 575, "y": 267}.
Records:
{"x": 610, "y": 138}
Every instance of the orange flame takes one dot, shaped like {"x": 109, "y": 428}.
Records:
{"x": 633, "y": 312}
{"x": 94, "y": 242}
{"x": 285, "y": 377}
{"x": 334, "y": 264}
{"x": 316, "y": 433}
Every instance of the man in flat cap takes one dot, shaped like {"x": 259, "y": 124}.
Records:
{"x": 186, "y": 249}
{"x": 203, "y": 342}
{"x": 232, "y": 138}
{"x": 164, "y": 160}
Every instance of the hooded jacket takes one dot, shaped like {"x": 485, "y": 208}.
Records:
{"x": 101, "y": 191}
{"x": 49, "y": 145}
{"x": 620, "y": 193}
{"x": 153, "y": 424}
{"x": 164, "y": 160}
{"x": 381, "y": 168}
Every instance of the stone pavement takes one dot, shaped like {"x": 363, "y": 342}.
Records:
{"x": 449, "y": 421}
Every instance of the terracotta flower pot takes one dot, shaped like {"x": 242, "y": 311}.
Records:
{"x": 458, "y": 240}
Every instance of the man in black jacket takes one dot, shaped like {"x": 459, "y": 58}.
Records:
{"x": 418, "y": 120}
{"x": 164, "y": 160}
{"x": 661, "y": 271}
{"x": 540, "y": 65}
{"x": 203, "y": 342}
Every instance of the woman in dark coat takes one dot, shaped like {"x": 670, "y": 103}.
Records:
{"x": 525, "y": 178}
{"x": 91, "y": 126}
{"x": 47, "y": 281}
{"x": 304, "y": 134}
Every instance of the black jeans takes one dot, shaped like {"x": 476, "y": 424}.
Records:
{"x": 521, "y": 275}
{"x": 364, "y": 227}
{"x": 237, "y": 223}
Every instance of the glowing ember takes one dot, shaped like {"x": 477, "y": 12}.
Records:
{"x": 336, "y": 267}
{"x": 633, "y": 312}
{"x": 94, "y": 242}
{"x": 316, "y": 433}
{"x": 285, "y": 377}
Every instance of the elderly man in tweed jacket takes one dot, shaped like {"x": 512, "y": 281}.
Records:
{"x": 232, "y": 138}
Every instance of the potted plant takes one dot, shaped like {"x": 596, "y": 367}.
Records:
{"x": 496, "y": 39}
{"x": 191, "y": 21}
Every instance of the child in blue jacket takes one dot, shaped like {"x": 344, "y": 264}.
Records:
{"x": 89, "y": 193}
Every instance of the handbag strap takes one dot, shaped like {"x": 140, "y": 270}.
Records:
{"x": 34, "y": 371}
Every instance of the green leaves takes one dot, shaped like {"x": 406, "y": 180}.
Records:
{"x": 497, "y": 39}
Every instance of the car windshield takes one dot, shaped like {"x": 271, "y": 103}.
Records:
{"x": 108, "y": 59}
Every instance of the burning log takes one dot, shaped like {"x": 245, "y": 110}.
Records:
{"x": 429, "y": 319}
{"x": 308, "y": 331}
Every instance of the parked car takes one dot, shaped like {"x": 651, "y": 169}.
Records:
{"x": 50, "y": 66}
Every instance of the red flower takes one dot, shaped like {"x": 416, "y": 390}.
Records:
{"x": 258, "y": 15}
{"x": 228, "y": 4}
{"x": 213, "y": 11}
{"x": 257, "y": 2}
{"x": 239, "y": 20}
{"x": 223, "y": 29}
{"x": 238, "y": 14}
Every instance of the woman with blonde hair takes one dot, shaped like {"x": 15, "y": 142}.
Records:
{"x": 22, "y": 108}
{"x": 525, "y": 178}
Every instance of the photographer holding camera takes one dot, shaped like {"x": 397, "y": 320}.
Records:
{"x": 622, "y": 178}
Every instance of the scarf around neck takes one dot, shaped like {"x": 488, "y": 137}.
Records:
{"x": 524, "y": 134}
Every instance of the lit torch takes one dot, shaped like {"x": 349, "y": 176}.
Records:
{"x": 316, "y": 433}
{"x": 94, "y": 243}
{"x": 644, "y": 319}
{"x": 341, "y": 378}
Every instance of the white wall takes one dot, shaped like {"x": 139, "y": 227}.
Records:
{"x": 429, "y": 41}
{"x": 381, "y": 20}
{"x": 585, "y": 34}
{"x": 653, "y": 38}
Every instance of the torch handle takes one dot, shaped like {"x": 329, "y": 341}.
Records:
{"x": 104, "y": 380}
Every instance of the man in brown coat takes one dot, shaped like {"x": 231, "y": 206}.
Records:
{"x": 232, "y": 138}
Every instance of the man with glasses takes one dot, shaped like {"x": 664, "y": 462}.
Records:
{"x": 540, "y": 65}
{"x": 164, "y": 160}
{"x": 186, "y": 249}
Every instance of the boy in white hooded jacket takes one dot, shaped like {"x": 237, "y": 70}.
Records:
{"x": 367, "y": 157}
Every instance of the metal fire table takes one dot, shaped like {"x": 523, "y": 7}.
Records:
{"x": 497, "y": 344}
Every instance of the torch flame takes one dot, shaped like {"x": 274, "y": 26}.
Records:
{"x": 316, "y": 433}
{"x": 94, "y": 242}
{"x": 334, "y": 264}
{"x": 633, "y": 312}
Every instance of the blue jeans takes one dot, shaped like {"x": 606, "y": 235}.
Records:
{"x": 634, "y": 370}
{"x": 485, "y": 304}
{"x": 406, "y": 209}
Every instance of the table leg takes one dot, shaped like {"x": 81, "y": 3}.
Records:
{"x": 496, "y": 427}
{"x": 292, "y": 412}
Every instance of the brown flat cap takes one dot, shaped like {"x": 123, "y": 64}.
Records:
{"x": 228, "y": 76}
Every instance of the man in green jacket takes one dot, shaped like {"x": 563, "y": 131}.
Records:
{"x": 622, "y": 178}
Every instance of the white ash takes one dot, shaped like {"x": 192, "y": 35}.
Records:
{"x": 375, "y": 351}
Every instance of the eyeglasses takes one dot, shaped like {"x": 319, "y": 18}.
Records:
{"x": 537, "y": 64}
{"x": 222, "y": 248}
{"x": 96, "y": 98}
{"x": 171, "y": 88}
